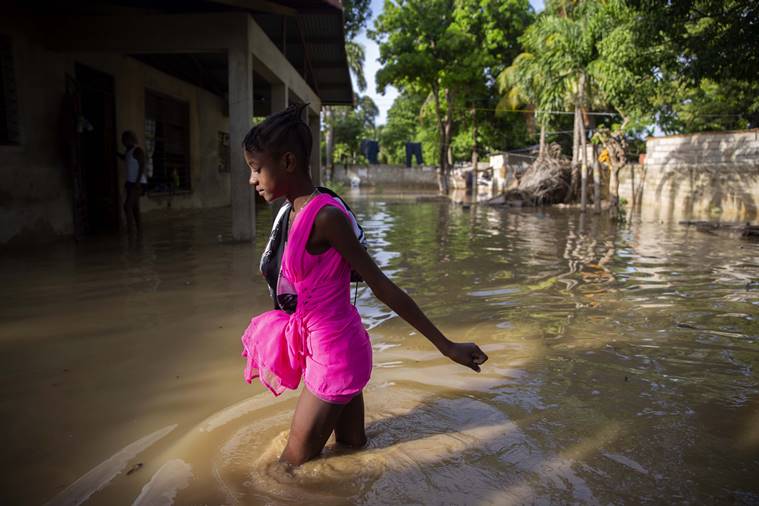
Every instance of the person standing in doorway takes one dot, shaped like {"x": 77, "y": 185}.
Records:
{"x": 136, "y": 180}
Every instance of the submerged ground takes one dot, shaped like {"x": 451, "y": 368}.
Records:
{"x": 623, "y": 366}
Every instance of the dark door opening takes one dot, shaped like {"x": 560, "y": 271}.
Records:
{"x": 97, "y": 143}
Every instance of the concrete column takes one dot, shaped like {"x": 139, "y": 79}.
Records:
{"x": 314, "y": 124}
{"x": 279, "y": 97}
{"x": 240, "y": 119}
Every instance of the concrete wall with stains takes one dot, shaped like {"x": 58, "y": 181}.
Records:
{"x": 387, "y": 175}
{"x": 704, "y": 176}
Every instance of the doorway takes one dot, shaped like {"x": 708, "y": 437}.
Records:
{"x": 97, "y": 151}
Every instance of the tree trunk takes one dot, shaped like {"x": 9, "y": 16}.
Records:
{"x": 632, "y": 186}
{"x": 584, "y": 170}
{"x": 448, "y": 132}
{"x": 596, "y": 181}
{"x": 542, "y": 150}
{"x": 614, "y": 188}
{"x": 616, "y": 146}
{"x": 575, "y": 157}
{"x": 475, "y": 155}
{"x": 442, "y": 171}
{"x": 330, "y": 161}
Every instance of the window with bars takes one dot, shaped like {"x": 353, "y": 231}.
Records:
{"x": 9, "y": 121}
{"x": 170, "y": 119}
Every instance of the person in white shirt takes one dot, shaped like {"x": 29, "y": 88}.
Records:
{"x": 136, "y": 180}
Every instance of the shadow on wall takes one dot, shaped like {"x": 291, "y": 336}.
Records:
{"x": 703, "y": 176}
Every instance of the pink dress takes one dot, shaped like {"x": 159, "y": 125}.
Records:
{"x": 324, "y": 340}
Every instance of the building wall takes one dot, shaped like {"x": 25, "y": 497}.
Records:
{"x": 398, "y": 175}
{"x": 705, "y": 176}
{"x": 35, "y": 186}
{"x": 35, "y": 195}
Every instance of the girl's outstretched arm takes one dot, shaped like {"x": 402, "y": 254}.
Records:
{"x": 332, "y": 227}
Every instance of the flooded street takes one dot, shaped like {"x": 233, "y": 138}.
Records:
{"x": 623, "y": 366}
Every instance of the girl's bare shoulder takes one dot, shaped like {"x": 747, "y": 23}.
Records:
{"x": 331, "y": 222}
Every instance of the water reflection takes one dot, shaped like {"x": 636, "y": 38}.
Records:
{"x": 622, "y": 365}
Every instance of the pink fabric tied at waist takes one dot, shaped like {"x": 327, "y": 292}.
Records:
{"x": 296, "y": 335}
{"x": 280, "y": 359}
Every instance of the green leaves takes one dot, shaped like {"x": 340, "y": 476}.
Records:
{"x": 351, "y": 125}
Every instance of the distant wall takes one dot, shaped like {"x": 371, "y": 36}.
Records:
{"x": 711, "y": 175}
{"x": 388, "y": 175}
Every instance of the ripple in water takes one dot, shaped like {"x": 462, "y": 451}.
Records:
{"x": 422, "y": 449}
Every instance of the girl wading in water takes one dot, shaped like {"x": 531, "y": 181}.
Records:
{"x": 318, "y": 334}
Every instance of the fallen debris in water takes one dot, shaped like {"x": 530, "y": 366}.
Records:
{"x": 546, "y": 181}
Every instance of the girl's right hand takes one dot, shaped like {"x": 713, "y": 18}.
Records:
{"x": 468, "y": 354}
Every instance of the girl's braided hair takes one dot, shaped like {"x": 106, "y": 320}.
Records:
{"x": 281, "y": 132}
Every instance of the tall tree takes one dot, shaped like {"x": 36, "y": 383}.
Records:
{"x": 688, "y": 65}
{"x": 491, "y": 29}
{"x": 356, "y": 13}
{"x": 404, "y": 122}
{"x": 715, "y": 39}
{"x": 351, "y": 124}
{"x": 447, "y": 49}
{"x": 420, "y": 49}
{"x": 531, "y": 81}
{"x": 571, "y": 35}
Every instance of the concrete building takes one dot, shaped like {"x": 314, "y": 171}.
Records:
{"x": 188, "y": 77}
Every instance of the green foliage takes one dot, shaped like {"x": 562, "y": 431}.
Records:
{"x": 356, "y": 57}
{"x": 622, "y": 70}
{"x": 649, "y": 61}
{"x": 427, "y": 47}
{"x": 712, "y": 39}
{"x": 418, "y": 46}
{"x": 356, "y": 14}
{"x": 730, "y": 105}
{"x": 351, "y": 125}
{"x": 701, "y": 56}
{"x": 686, "y": 65}
{"x": 403, "y": 123}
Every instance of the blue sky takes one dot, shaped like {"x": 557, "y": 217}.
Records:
{"x": 371, "y": 65}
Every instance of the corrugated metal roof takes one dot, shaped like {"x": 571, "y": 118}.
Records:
{"x": 322, "y": 61}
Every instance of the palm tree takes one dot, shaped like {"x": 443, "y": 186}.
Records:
{"x": 569, "y": 48}
{"x": 356, "y": 58}
{"x": 530, "y": 81}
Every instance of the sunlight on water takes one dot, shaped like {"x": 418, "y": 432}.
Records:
{"x": 623, "y": 366}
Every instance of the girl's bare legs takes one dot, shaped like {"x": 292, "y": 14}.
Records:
{"x": 313, "y": 423}
{"x": 349, "y": 429}
{"x": 129, "y": 207}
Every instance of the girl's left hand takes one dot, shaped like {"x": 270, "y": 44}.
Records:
{"x": 468, "y": 354}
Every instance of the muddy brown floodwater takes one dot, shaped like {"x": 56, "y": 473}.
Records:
{"x": 623, "y": 366}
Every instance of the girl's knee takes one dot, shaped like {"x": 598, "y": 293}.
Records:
{"x": 299, "y": 451}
